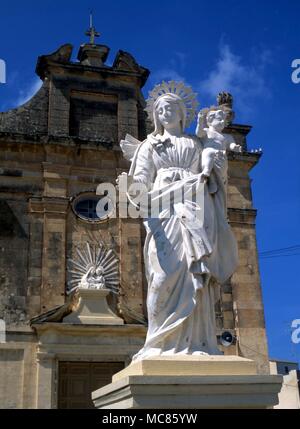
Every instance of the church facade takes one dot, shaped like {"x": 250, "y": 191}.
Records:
{"x": 54, "y": 152}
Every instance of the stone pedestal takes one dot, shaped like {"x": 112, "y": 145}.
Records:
{"x": 93, "y": 309}
{"x": 93, "y": 54}
{"x": 189, "y": 382}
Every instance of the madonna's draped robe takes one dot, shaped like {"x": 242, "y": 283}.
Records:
{"x": 185, "y": 259}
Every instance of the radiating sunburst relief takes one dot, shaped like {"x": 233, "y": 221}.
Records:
{"x": 95, "y": 267}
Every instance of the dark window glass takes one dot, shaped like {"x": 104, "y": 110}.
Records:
{"x": 86, "y": 208}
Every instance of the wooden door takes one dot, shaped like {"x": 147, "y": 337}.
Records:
{"x": 77, "y": 380}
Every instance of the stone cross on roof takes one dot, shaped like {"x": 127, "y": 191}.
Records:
{"x": 91, "y": 32}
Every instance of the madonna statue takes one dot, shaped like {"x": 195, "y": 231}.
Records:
{"x": 186, "y": 259}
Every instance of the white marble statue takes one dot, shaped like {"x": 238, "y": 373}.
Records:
{"x": 94, "y": 268}
{"x": 93, "y": 278}
{"x": 184, "y": 262}
{"x": 215, "y": 143}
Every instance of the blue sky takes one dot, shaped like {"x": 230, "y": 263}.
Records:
{"x": 245, "y": 47}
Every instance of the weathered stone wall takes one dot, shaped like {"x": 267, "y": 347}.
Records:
{"x": 246, "y": 314}
{"x": 18, "y": 370}
{"x": 39, "y": 229}
{"x": 63, "y": 142}
{"x": 20, "y": 177}
{"x": 30, "y": 118}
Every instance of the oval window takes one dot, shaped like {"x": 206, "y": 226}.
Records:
{"x": 86, "y": 208}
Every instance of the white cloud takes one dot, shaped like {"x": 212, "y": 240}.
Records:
{"x": 29, "y": 91}
{"x": 166, "y": 74}
{"x": 180, "y": 60}
{"x": 174, "y": 69}
{"x": 245, "y": 81}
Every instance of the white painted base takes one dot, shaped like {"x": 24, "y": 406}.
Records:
{"x": 168, "y": 383}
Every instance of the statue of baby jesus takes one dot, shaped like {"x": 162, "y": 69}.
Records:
{"x": 215, "y": 143}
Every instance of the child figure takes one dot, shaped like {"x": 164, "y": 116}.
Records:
{"x": 211, "y": 123}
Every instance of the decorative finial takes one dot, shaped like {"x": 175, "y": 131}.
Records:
{"x": 225, "y": 98}
{"x": 91, "y": 32}
{"x": 225, "y": 101}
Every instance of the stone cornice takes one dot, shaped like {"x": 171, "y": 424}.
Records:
{"x": 78, "y": 329}
{"x": 51, "y": 67}
{"x": 56, "y": 171}
{"x": 242, "y": 216}
{"x": 242, "y": 129}
{"x": 45, "y": 139}
{"x": 55, "y": 205}
{"x": 248, "y": 158}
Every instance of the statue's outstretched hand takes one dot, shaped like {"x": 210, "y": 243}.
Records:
{"x": 236, "y": 147}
